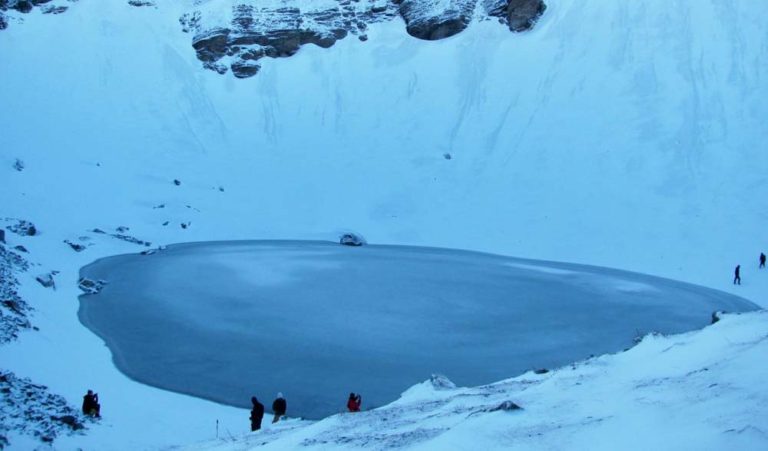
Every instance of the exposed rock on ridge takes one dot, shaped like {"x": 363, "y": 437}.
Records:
{"x": 436, "y": 19}
{"x": 26, "y": 6}
{"x": 254, "y": 32}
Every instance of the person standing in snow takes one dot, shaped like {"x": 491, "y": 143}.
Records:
{"x": 91, "y": 404}
{"x": 257, "y": 413}
{"x": 737, "y": 275}
{"x": 279, "y": 406}
{"x": 354, "y": 402}
{"x": 762, "y": 260}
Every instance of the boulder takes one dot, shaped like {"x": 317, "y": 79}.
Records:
{"x": 245, "y": 68}
{"x": 77, "y": 247}
{"x": 211, "y": 45}
{"x": 23, "y": 228}
{"x": 46, "y": 280}
{"x": 440, "y": 382}
{"x": 523, "y": 14}
{"x": 351, "y": 239}
{"x": 504, "y": 406}
{"x": 90, "y": 286}
{"x": 430, "y": 21}
{"x": 54, "y": 10}
{"x": 69, "y": 420}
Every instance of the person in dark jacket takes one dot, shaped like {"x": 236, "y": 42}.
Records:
{"x": 91, "y": 404}
{"x": 279, "y": 406}
{"x": 354, "y": 402}
{"x": 762, "y": 260}
{"x": 737, "y": 275}
{"x": 257, "y": 413}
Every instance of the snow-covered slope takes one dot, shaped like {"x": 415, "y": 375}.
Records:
{"x": 620, "y": 134}
{"x": 695, "y": 391}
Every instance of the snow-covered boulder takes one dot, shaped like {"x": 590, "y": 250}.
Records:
{"x": 441, "y": 382}
{"x": 90, "y": 286}
{"x": 351, "y": 239}
{"x": 23, "y": 228}
{"x": 46, "y": 280}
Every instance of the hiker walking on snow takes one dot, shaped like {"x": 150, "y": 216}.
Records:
{"x": 91, "y": 404}
{"x": 354, "y": 402}
{"x": 279, "y": 406}
{"x": 737, "y": 275}
{"x": 762, "y": 260}
{"x": 257, "y": 413}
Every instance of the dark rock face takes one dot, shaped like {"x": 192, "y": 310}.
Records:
{"x": 519, "y": 15}
{"x": 427, "y": 20}
{"x": 257, "y": 32}
{"x": 523, "y": 14}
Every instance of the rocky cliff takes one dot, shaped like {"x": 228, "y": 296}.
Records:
{"x": 235, "y": 34}
{"x": 253, "y": 32}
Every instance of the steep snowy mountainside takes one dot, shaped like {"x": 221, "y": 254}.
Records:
{"x": 694, "y": 391}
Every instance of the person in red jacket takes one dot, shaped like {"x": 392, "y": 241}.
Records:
{"x": 354, "y": 402}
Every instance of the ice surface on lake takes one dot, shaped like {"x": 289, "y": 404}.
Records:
{"x": 317, "y": 320}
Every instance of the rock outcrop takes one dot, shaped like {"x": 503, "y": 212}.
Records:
{"x": 31, "y": 409}
{"x": 14, "y": 311}
{"x": 253, "y": 32}
{"x": 519, "y": 15}
{"x": 523, "y": 14}
{"x": 90, "y": 286}
{"x": 8, "y": 7}
{"x": 236, "y": 40}
{"x": 22, "y": 227}
{"x": 277, "y": 32}
{"x": 436, "y": 19}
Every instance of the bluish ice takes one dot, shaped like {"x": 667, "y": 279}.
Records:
{"x": 316, "y": 320}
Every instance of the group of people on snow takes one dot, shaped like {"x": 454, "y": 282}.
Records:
{"x": 280, "y": 406}
{"x": 737, "y": 271}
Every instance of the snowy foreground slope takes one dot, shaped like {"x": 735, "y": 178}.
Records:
{"x": 700, "y": 390}
{"x": 620, "y": 134}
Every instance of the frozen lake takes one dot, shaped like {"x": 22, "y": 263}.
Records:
{"x": 317, "y": 320}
